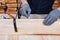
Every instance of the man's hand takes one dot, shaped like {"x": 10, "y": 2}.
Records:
{"x": 52, "y": 17}
{"x": 25, "y": 10}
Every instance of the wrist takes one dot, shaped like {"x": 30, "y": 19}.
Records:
{"x": 24, "y": 2}
{"x": 58, "y": 8}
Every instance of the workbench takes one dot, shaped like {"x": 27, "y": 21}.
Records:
{"x": 29, "y": 29}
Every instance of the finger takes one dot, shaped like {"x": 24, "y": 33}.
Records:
{"x": 23, "y": 12}
{"x": 49, "y": 21}
{"x": 46, "y": 19}
{"x": 29, "y": 11}
{"x": 52, "y": 21}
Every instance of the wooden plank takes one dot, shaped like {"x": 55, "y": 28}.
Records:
{"x": 36, "y": 26}
{"x": 3, "y": 37}
{"x": 11, "y": 35}
{"x": 6, "y": 26}
{"x": 29, "y": 26}
{"x": 11, "y": 4}
{"x": 11, "y": 11}
{"x": 8, "y": 1}
{"x": 33, "y": 37}
{"x": 28, "y": 37}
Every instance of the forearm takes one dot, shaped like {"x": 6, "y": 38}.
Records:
{"x": 24, "y": 1}
{"x": 58, "y": 5}
{"x": 58, "y": 8}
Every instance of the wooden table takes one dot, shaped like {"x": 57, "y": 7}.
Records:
{"x": 30, "y": 29}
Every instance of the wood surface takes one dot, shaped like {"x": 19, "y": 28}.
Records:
{"x": 29, "y": 29}
{"x": 29, "y": 26}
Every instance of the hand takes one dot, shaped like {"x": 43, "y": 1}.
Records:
{"x": 25, "y": 10}
{"x": 52, "y": 17}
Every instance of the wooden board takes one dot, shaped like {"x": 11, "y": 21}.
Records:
{"x": 29, "y": 27}
{"x": 28, "y": 37}
{"x": 11, "y": 4}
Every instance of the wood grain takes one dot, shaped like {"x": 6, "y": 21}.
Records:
{"x": 28, "y": 26}
{"x": 29, "y": 29}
